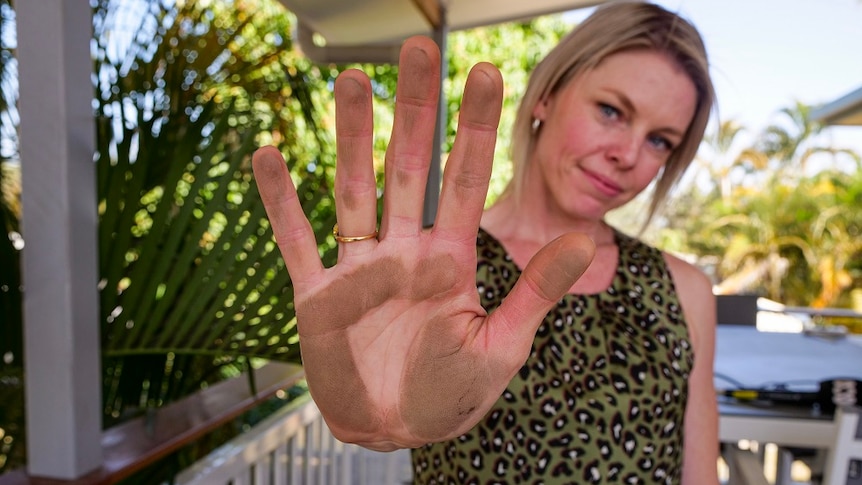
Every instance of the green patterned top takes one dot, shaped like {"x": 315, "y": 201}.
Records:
{"x": 601, "y": 398}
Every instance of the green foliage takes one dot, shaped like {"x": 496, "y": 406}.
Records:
{"x": 515, "y": 48}
{"x": 192, "y": 286}
{"x": 764, "y": 226}
{"x": 191, "y": 277}
{"x": 11, "y": 320}
{"x": 11, "y": 341}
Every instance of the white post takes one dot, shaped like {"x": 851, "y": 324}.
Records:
{"x": 61, "y": 328}
{"x": 844, "y": 458}
{"x": 432, "y": 186}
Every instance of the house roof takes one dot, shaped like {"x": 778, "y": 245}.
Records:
{"x": 846, "y": 110}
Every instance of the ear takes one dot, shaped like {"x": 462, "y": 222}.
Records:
{"x": 540, "y": 110}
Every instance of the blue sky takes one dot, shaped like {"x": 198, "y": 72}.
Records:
{"x": 766, "y": 54}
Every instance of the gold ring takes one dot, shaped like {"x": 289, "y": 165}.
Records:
{"x": 347, "y": 239}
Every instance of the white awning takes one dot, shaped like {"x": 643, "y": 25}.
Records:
{"x": 352, "y": 22}
{"x": 371, "y": 30}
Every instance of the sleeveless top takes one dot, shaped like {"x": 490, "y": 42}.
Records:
{"x": 602, "y": 396}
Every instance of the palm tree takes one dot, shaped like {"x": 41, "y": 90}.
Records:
{"x": 11, "y": 337}
{"x": 795, "y": 242}
{"x": 769, "y": 227}
{"x": 191, "y": 278}
{"x": 192, "y": 287}
{"x": 791, "y": 145}
{"x": 10, "y": 188}
{"x": 834, "y": 232}
{"x": 725, "y": 161}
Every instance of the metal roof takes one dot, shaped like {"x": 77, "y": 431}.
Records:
{"x": 846, "y": 110}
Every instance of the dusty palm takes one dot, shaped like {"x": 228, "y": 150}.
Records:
{"x": 398, "y": 351}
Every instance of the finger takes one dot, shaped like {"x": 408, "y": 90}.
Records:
{"x": 468, "y": 169}
{"x": 409, "y": 153}
{"x": 355, "y": 187}
{"x": 292, "y": 231}
{"x": 547, "y": 277}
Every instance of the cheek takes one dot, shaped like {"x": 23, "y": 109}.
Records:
{"x": 646, "y": 172}
{"x": 559, "y": 148}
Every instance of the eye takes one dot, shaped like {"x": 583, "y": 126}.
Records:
{"x": 609, "y": 111}
{"x": 661, "y": 143}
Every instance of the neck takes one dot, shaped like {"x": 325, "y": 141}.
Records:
{"x": 508, "y": 221}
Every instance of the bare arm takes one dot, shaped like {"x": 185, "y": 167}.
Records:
{"x": 701, "y": 416}
{"x": 397, "y": 350}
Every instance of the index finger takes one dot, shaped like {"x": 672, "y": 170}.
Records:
{"x": 468, "y": 169}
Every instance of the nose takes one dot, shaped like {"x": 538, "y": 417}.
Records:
{"x": 623, "y": 149}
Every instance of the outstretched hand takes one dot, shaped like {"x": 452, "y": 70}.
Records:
{"x": 397, "y": 350}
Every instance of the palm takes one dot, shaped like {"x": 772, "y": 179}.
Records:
{"x": 374, "y": 331}
{"x": 396, "y": 347}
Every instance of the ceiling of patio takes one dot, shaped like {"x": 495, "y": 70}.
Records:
{"x": 356, "y": 22}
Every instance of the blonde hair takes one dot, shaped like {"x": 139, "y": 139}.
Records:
{"x": 613, "y": 28}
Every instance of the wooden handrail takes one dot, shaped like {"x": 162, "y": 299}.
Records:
{"x": 132, "y": 446}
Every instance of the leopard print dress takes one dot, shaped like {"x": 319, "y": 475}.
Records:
{"x": 602, "y": 397}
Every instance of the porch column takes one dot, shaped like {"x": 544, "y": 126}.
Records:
{"x": 61, "y": 330}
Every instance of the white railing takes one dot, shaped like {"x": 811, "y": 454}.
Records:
{"x": 293, "y": 447}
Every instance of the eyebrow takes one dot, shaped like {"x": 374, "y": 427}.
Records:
{"x": 629, "y": 106}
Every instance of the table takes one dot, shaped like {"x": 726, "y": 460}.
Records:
{"x": 753, "y": 359}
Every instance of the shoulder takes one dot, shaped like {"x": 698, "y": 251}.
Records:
{"x": 694, "y": 290}
{"x": 687, "y": 275}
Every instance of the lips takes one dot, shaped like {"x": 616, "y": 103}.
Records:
{"x": 603, "y": 184}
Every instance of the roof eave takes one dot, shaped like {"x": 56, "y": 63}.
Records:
{"x": 846, "y": 110}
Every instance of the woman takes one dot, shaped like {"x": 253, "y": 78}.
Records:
{"x": 618, "y": 372}
{"x": 615, "y": 383}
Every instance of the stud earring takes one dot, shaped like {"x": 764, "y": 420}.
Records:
{"x": 537, "y": 123}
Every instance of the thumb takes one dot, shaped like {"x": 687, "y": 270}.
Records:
{"x": 547, "y": 277}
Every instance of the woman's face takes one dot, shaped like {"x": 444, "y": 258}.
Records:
{"x": 608, "y": 132}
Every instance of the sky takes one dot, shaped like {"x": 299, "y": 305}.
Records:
{"x": 767, "y": 54}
